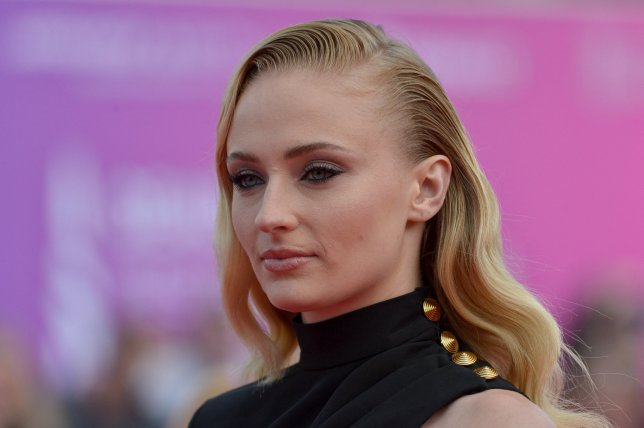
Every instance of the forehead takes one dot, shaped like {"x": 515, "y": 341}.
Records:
{"x": 300, "y": 106}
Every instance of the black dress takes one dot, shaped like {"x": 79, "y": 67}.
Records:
{"x": 378, "y": 366}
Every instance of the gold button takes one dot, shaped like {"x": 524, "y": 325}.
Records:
{"x": 486, "y": 372}
{"x": 464, "y": 358}
{"x": 431, "y": 309}
{"x": 449, "y": 342}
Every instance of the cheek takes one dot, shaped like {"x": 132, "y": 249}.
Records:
{"x": 366, "y": 220}
{"x": 243, "y": 222}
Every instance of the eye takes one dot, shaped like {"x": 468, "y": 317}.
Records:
{"x": 319, "y": 172}
{"x": 246, "y": 180}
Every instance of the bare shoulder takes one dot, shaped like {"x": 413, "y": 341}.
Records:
{"x": 493, "y": 408}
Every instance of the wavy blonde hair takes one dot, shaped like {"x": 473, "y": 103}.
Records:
{"x": 461, "y": 255}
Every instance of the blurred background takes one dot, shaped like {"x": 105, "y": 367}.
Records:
{"x": 109, "y": 303}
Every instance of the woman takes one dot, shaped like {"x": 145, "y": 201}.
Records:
{"x": 356, "y": 219}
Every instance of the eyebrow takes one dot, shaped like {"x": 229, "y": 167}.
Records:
{"x": 291, "y": 153}
{"x": 311, "y": 147}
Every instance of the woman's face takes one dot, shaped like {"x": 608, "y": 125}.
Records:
{"x": 321, "y": 194}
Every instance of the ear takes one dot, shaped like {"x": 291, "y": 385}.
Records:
{"x": 431, "y": 180}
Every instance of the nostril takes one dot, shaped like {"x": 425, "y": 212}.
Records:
{"x": 276, "y": 222}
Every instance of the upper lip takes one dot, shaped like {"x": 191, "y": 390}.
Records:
{"x": 283, "y": 253}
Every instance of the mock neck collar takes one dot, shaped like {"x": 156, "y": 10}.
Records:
{"x": 364, "y": 332}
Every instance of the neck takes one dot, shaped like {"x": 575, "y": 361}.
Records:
{"x": 363, "y": 332}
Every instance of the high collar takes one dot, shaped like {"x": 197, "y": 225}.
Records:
{"x": 364, "y": 332}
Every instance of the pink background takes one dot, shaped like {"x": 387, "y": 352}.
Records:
{"x": 107, "y": 124}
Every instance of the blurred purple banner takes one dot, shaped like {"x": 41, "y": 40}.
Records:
{"x": 107, "y": 127}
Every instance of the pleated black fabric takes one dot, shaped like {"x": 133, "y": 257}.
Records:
{"x": 378, "y": 366}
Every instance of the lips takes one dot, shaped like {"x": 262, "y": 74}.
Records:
{"x": 284, "y": 260}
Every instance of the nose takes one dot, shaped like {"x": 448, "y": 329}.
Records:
{"x": 276, "y": 212}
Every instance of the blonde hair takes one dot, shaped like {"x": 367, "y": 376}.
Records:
{"x": 461, "y": 256}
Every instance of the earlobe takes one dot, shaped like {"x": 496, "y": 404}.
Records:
{"x": 431, "y": 181}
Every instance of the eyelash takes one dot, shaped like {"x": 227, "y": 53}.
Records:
{"x": 328, "y": 171}
{"x": 238, "y": 180}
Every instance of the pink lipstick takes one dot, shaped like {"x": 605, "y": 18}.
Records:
{"x": 284, "y": 260}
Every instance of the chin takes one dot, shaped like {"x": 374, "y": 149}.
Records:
{"x": 288, "y": 304}
{"x": 290, "y": 300}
